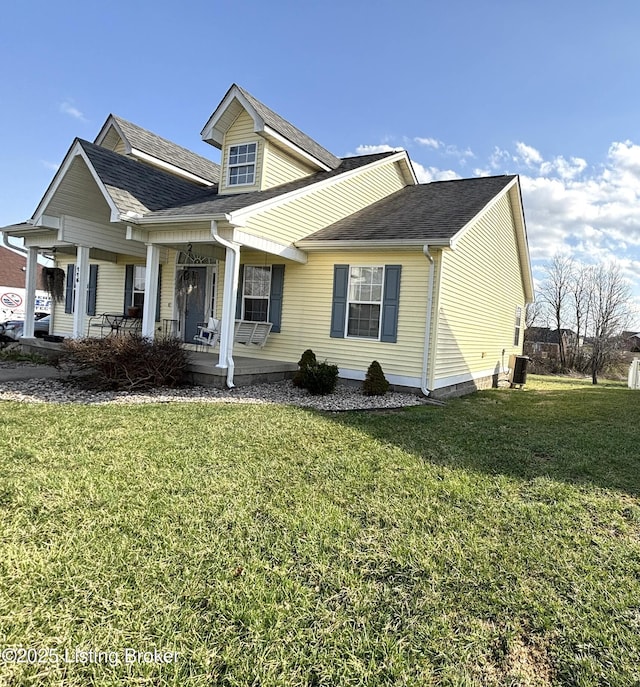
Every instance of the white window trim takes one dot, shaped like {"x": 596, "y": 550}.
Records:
{"x": 267, "y": 297}
{"x": 518, "y": 326}
{"x": 135, "y": 291}
{"x": 244, "y": 164}
{"x": 349, "y": 302}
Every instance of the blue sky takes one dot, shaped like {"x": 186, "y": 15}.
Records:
{"x": 549, "y": 90}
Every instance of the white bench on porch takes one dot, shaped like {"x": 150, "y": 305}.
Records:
{"x": 245, "y": 332}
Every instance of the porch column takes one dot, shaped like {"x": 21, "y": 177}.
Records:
{"x": 82, "y": 282}
{"x": 151, "y": 294}
{"x": 230, "y": 293}
{"x": 30, "y": 292}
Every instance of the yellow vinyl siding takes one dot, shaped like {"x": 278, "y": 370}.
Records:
{"x": 78, "y": 195}
{"x": 110, "y": 291}
{"x": 302, "y": 216}
{"x": 241, "y": 131}
{"x": 306, "y": 312}
{"x": 279, "y": 167}
{"x": 477, "y": 304}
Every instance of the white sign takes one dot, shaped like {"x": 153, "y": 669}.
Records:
{"x": 12, "y": 303}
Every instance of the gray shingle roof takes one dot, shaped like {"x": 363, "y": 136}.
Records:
{"x": 145, "y": 190}
{"x": 290, "y": 132}
{"x": 208, "y": 202}
{"x": 169, "y": 152}
{"x": 432, "y": 212}
{"x": 135, "y": 186}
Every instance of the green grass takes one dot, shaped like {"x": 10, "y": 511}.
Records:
{"x": 494, "y": 541}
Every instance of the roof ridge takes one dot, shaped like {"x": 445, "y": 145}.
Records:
{"x": 290, "y": 131}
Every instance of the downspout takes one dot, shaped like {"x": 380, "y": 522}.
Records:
{"x": 427, "y": 332}
{"x": 5, "y": 240}
{"x": 228, "y": 313}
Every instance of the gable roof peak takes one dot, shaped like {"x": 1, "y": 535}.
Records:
{"x": 268, "y": 123}
{"x": 150, "y": 147}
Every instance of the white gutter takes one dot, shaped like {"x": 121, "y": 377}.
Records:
{"x": 427, "y": 332}
{"x": 225, "y": 359}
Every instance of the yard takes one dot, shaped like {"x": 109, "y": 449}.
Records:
{"x": 494, "y": 541}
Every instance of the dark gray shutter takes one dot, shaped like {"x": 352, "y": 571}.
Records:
{"x": 68, "y": 294}
{"x": 239, "y": 298}
{"x": 92, "y": 289}
{"x": 128, "y": 288}
{"x": 339, "y": 306}
{"x": 275, "y": 298}
{"x": 158, "y": 293}
{"x": 390, "y": 303}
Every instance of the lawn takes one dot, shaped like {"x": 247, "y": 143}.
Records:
{"x": 493, "y": 541}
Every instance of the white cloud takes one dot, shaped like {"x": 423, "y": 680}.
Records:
{"x": 530, "y": 156}
{"x": 69, "y": 109}
{"x": 428, "y": 174}
{"x": 501, "y": 160}
{"x": 373, "y": 149}
{"x": 429, "y": 142}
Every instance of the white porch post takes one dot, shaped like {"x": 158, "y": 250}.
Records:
{"x": 151, "y": 294}
{"x": 30, "y": 291}
{"x": 227, "y": 325}
{"x": 82, "y": 282}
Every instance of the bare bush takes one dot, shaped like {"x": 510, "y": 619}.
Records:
{"x": 129, "y": 362}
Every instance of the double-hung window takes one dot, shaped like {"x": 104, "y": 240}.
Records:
{"x": 137, "y": 290}
{"x": 518, "y": 326}
{"x": 256, "y": 289}
{"x": 242, "y": 164}
{"x": 364, "y": 301}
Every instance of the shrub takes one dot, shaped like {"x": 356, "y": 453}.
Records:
{"x": 375, "y": 383}
{"x": 129, "y": 362}
{"x": 320, "y": 379}
{"x": 308, "y": 358}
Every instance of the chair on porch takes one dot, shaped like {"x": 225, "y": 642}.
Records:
{"x": 208, "y": 333}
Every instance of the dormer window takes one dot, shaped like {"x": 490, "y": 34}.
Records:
{"x": 242, "y": 164}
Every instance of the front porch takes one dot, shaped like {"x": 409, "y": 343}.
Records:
{"x": 202, "y": 368}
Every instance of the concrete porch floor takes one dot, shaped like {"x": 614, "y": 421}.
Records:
{"x": 203, "y": 370}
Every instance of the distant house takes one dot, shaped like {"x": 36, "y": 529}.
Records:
{"x": 630, "y": 341}
{"x": 13, "y": 266}
{"x": 349, "y": 256}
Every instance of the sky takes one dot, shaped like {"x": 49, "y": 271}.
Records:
{"x": 547, "y": 90}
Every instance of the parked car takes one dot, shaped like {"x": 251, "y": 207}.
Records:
{"x": 11, "y": 330}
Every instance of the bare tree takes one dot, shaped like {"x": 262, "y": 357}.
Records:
{"x": 555, "y": 293}
{"x": 609, "y": 313}
{"x": 532, "y": 314}
{"x": 579, "y": 302}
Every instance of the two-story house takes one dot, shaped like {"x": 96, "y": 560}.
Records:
{"x": 350, "y": 256}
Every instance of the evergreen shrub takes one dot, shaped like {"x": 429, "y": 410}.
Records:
{"x": 375, "y": 383}
{"x": 308, "y": 358}
{"x": 320, "y": 379}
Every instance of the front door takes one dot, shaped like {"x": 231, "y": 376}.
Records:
{"x": 195, "y": 300}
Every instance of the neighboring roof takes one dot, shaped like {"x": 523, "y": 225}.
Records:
{"x": 275, "y": 122}
{"x": 134, "y": 186}
{"x": 162, "y": 149}
{"x": 426, "y": 213}
{"x": 208, "y": 202}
